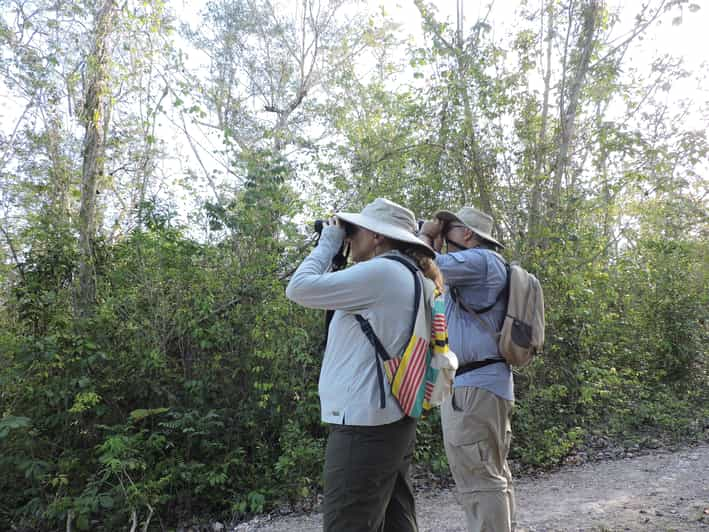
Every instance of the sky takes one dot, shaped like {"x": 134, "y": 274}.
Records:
{"x": 688, "y": 39}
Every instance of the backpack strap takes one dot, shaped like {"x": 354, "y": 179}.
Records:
{"x": 471, "y": 366}
{"x": 368, "y": 331}
{"x": 455, "y": 296}
{"x": 475, "y": 313}
{"x": 477, "y": 364}
{"x": 455, "y": 293}
{"x": 379, "y": 349}
{"x": 417, "y": 286}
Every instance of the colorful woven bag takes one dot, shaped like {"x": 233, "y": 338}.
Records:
{"x": 419, "y": 377}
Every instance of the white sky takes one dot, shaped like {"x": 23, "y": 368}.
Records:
{"x": 689, "y": 40}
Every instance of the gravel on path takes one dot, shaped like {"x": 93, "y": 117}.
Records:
{"x": 657, "y": 491}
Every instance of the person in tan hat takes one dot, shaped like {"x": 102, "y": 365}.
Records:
{"x": 371, "y": 442}
{"x": 476, "y": 418}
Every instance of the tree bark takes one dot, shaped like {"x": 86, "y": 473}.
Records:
{"x": 584, "y": 49}
{"x": 94, "y": 116}
{"x": 533, "y": 225}
{"x": 60, "y": 171}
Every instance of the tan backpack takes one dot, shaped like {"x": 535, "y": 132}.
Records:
{"x": 522, "y": 333}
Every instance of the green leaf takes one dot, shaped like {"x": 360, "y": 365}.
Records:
{"x": 10, "y": 423}
{"x": 142, "y": 413}
{"x": 82, "y": 522}
{"x": 106, "y": 501}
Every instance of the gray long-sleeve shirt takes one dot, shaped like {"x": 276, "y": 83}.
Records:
{"x": 382, "y": 291}
{"x": 479, "y": 276}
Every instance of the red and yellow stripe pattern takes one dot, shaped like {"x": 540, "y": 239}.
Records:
{"x": 411, "y": 376}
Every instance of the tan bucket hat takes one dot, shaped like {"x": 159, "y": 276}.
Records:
{"x": 388, "y": 219}
{"x": 477, "y": 221}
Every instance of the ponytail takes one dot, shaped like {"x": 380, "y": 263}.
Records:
{"x": 425, "y": 263}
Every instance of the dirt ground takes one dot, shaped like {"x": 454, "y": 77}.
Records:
{"x": 657, "y": 491}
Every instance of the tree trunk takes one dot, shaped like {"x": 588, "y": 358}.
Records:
{"x": 586, "y": 41}
{"x": 94, "y": 116}
{"x": 60, "y": 171}
{"x": 533, "y": 225}
{"x": 474, "y": 164}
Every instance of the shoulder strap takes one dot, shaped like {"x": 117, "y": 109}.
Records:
{"x": 367, "y": 327}
{"x": 455, "y": 295}
{"x": 372, "y": 336}
{"x": 417, "y": 286}
{"x": 380, "y": 351}
{"x": 472, "y": 312}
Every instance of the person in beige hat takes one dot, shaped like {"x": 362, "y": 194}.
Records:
{"x": 371, "y": 442}
{"x": 476, "y": 418}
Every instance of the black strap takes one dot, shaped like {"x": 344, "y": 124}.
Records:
{"x": 366, "y": 327}
{"x": 459, "y": 246}
{"x": 471, "y": 366}
{"x": 417, "y": 286}
{"x": 455, "y": 296}
{"x": 372, "y": 337}
{"x": 380, "y": 350}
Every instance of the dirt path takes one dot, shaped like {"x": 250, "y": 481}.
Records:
{"x": 659, "y": 491}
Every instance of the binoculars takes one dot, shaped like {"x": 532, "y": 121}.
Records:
{"x": 339, "y": 261}
{"x": 349, "y": 228}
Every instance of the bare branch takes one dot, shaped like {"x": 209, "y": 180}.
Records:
{"x": 18, "y": 264}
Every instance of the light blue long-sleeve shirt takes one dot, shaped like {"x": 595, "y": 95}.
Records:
{"x": 479, "y": 275}
{"x": 382, "y": 291}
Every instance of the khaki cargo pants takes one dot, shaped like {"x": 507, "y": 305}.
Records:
{"x": 476, "y": 434}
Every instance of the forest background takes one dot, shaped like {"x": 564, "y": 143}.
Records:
{"x": 160, "y": 167}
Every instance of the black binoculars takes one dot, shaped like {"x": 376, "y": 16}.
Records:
{"x": 349, "y": 228}
{"x": 339, "y": 261}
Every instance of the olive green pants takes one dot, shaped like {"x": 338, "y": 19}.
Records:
{"x": 367, "y": 485}
{"x": 477, "y": 434}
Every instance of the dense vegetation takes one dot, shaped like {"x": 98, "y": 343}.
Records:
{"x": 152, "y": 371}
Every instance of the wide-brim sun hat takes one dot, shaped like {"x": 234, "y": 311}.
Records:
{"x": 476, "y": 220}
{"x": 388, "y": 219}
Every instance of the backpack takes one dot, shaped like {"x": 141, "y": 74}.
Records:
{"x": 422, "y": 376}
{"x": 522, "y": 333}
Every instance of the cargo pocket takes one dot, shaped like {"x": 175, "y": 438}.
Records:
{"x": 474, "y": 469}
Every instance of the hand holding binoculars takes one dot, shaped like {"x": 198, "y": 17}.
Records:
{"x": 339, "y": 261}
